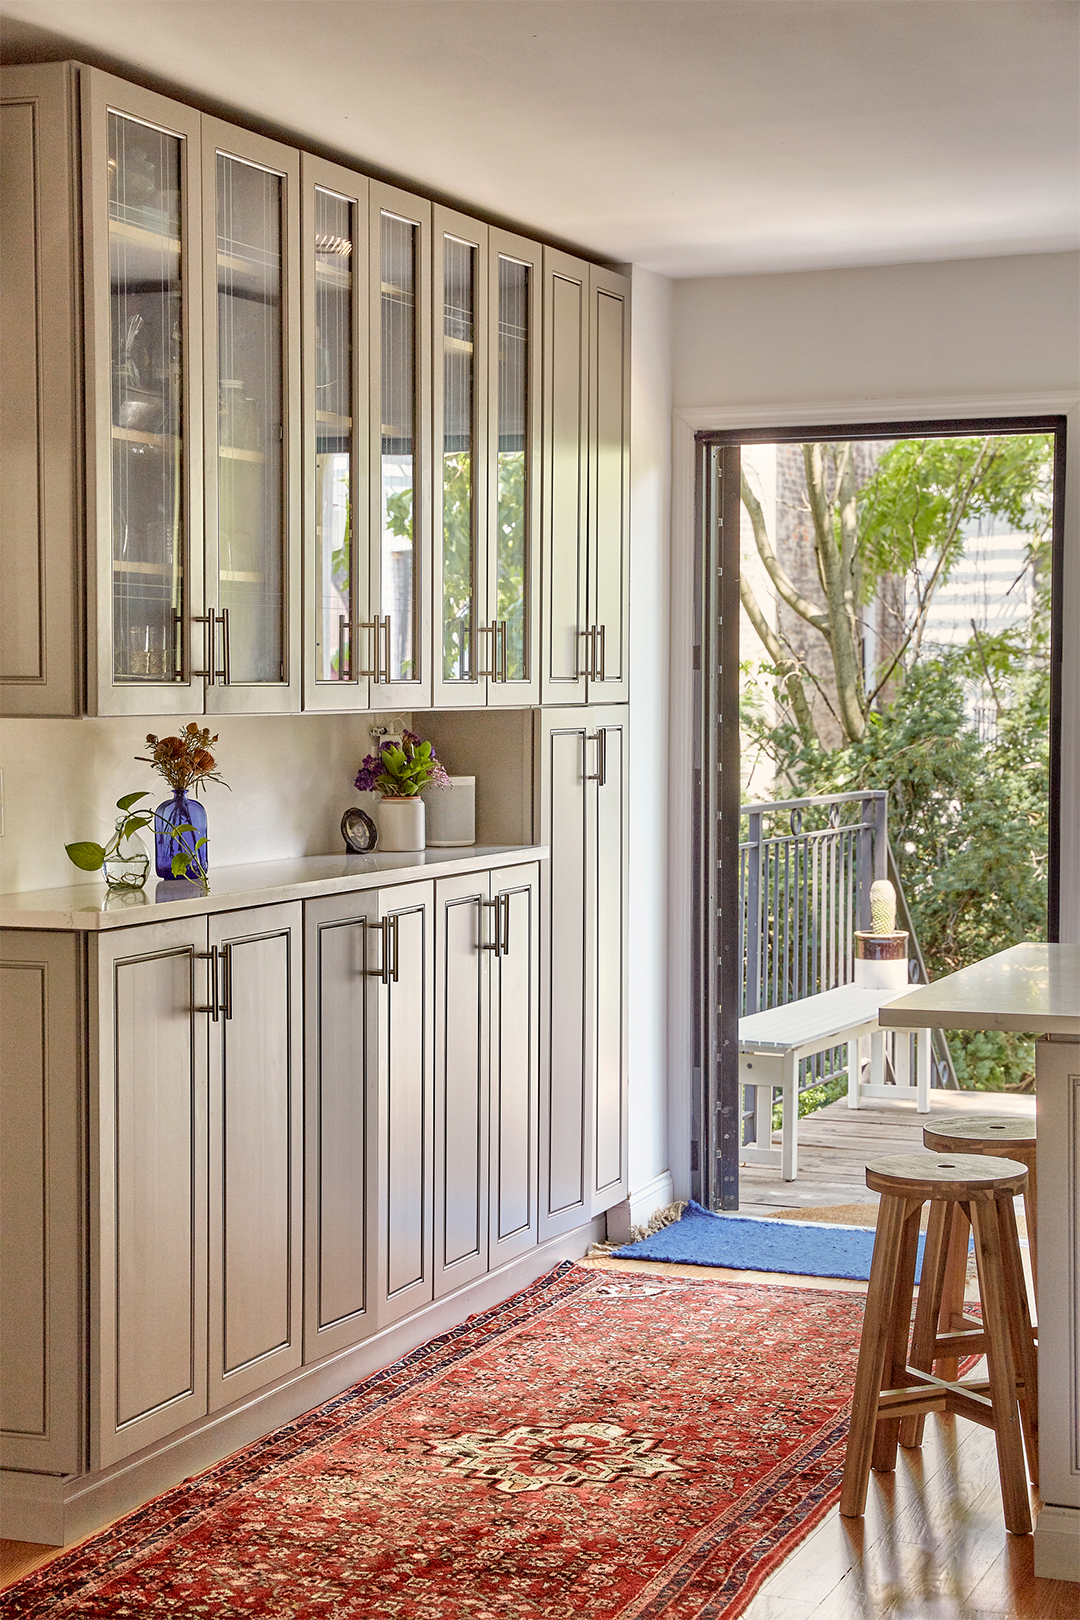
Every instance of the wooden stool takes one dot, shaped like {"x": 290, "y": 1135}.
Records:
{"x": 888, "y": 1387}
{"x": 1000, "y": 1137}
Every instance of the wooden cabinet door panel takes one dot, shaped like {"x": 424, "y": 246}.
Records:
{"x": 565, "y": 494}
{"x": 565, "y": 1122}
{"x": 150, "y": 1132}
{"x": 255, "y": 1146}
{"x": 609, "y": 1163}
{"x": 42, "y": 1104}
{"x": 463, "y": 929}
{"x": 406, "y": 1102}
{"x": 515, "y": 1096}
{"x": 609, "y": 485}
{"x": 340, "y": 1123}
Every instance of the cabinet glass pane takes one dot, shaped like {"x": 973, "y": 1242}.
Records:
{"x": 334, "y": 223}
{"x": 250, "y": 417}
{"x": 511, "y": 528}
{"x": 147, "y": 449}
{"x": 459, "y": 506}
{"x": 400, "y": 578}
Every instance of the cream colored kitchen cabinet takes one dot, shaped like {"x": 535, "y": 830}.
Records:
{"x": 159, "y": 414}
{"x": 586, "y": 512}
{"x": 486, "y": 1072}
{"x": 338, "y": 634}
{"x": 582, "y": 813}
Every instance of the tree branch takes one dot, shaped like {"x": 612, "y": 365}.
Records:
{"x": 787, "y": 668}
{"x": 785, "y": 586}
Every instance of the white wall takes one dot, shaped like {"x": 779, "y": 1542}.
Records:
{"x": 651, "y": 500}
{"x": 896, "y": 342}
{"x": 290, "y": 778}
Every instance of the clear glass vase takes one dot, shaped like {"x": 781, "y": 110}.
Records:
{"x": 128, "y": 865}
{"x": 180, "y": 812}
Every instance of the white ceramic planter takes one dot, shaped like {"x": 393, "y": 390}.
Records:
{"x": 401, "y": 824}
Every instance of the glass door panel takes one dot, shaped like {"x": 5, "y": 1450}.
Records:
{"x": 399, "y": 571}
{"x": 459, "y": 573}
{"x": 513, "y": 470}
{"x": 335, "y": 227}
{"x": 251, "y": 495}
{"x": 146, "y": 331}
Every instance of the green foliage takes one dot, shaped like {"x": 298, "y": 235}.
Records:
{"x": 406, "y": 770}
{"x": 91, "y": 857}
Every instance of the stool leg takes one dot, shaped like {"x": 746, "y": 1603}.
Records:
{"x": 1001, "y": 1367}
{"x": 1020, "y": 1331}
{"x": 874, "y": 1346}
{"x": 1031, "y": 1216}
{"x": 888, "y": 1429}
{"x": 935, "y": 1258}
{"x": 922, "y": 1072}
{"x": 951, "y": 1311}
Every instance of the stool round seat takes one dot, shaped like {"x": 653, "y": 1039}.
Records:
{"x": 983, "y": 1133}
{"x": 945, "y": 1176}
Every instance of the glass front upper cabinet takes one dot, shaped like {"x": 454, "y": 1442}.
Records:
{"x": 464, "y": 638}
{"x": 252, "y": 630}
{"x": 399, "y": 629}
{"x": 335, "y": 350}
{"x": 143, "y": 337}
{"x": 513, "y": 465}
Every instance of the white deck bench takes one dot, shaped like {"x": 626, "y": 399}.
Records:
{"x": 771, "y": 1044}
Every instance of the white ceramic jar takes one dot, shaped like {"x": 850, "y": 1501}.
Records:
{"x": 401, "y": 824}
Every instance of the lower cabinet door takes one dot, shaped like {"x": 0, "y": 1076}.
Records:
{"x": 148, "y": 1128}
{"x": 340, "y": 1123}
{"x": 608, "y": 1168}
{"x": 514, "y": 1064}
{"x": 256, "y": 1140}
{"x": 465, "y": 937}
{"x": 566, "y": 1078}
{"x": 402, "y": 952}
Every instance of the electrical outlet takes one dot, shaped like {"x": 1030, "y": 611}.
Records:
{"x": 389, "y": 729}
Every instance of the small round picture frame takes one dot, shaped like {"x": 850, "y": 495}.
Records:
{"x": 359, "y": 831}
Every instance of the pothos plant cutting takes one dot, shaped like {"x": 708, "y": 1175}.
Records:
{"x": 179, "y": 825}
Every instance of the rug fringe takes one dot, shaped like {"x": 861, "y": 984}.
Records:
{"x": 655, "y": 1223}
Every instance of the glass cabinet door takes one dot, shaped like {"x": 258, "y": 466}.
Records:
{"x": 142, "y": 336}
{"x": 400, "y": 365}
{"x": 513, "y": 456}
{"x": 252, "y": 631}
{"x": 335, "y": 351}
{"x": 464, "y": 645}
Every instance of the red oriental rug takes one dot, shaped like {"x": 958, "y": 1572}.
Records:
{"x": 615, "y": 1445}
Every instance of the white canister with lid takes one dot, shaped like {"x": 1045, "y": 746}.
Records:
{"x": 451, "y": 814}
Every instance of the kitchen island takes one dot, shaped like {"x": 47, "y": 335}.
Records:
{"x": 1035, "y": 989}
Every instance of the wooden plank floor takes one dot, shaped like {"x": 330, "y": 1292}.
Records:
{"x": 836, "y": 1141}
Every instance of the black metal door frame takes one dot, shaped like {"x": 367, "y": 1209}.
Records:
{"x": 715, "y": 1105}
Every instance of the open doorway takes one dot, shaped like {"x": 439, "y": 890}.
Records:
{"x": 877, "y": 674}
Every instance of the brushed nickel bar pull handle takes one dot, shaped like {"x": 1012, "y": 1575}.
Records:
{"x": 214, "y": 1008}
{"x": 393, "y": 921}
{"x": 493, "y": 944}
{"x": 227, "y": 1000}
{"x": 504, "y": 911}
{"x": 598, "y": 776}
{"x": 226, "y": 648}
{"x": 344, "y": 663}
{"x": 602, "y": 661}
{"x": 492, "y": 630}
{"x": 586, "y": 670}
{"x": 504, "y": 659}
{"x": 382, "y": 972}
{"x": 209, "y": 674}
{"x": 373, "y": 625}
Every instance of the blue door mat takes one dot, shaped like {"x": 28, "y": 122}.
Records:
{"x": 753, "y": 1243}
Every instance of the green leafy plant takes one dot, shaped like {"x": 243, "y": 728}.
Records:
{"x": 401, "y": 771}
{"x": 91, "y": 857}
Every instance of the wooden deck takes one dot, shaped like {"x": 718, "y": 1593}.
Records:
{"x": 836, "y": 1142}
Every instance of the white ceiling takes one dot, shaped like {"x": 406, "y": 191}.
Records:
{"x": 696, "y": 137}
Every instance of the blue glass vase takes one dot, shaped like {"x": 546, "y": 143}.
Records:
{"x": 179, "y": 811}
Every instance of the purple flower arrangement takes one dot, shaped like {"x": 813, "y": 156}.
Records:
{"x": 401, "y": 770}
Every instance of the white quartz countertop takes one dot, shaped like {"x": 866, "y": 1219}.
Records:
{"x": 89, "y": 907}
{"x": 1031, "y": 988}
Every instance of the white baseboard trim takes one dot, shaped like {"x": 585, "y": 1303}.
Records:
{"x": 1057, "y": 1544}
{"x": 637, "y": 1209}
{"x": 60, "y": 1508}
